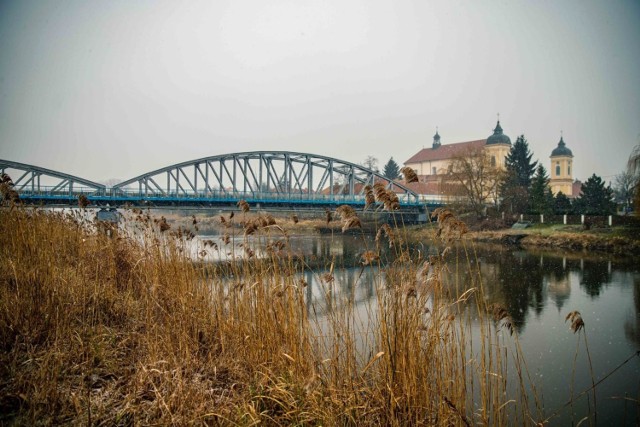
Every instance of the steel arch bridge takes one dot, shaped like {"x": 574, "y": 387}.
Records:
{"x": 29, "y": 179}
{"x": 263, "y": 176}
{"x": 269, "y": 178}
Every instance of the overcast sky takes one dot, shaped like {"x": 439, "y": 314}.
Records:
{"x": 113, "y": 89}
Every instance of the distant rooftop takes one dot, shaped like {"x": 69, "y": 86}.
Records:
{"x": 444, "y": 152}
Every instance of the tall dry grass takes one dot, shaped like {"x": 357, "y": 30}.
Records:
{"x": 130, "y": 330}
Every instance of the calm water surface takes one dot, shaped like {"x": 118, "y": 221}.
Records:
{"x": 538, "y": 289}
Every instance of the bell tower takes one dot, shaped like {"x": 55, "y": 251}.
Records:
{"x": 561, "y": 169}
{"x": 436, "y": 139}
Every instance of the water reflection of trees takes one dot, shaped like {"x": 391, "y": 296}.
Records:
{"x": 595, "y": 274}
{"x": 515, "y": 281}
{"x": 557, "y": 277}
{"x": 632, "y": 326}
{"x": 521, "y": 281}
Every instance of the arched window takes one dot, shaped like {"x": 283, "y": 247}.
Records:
{"x": 434, "y": 170}
{"x": 569, "y": 169}
{"x": 493, "y": 161}
{"x": 557, "y": 168}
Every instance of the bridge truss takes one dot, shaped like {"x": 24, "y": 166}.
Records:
{"x": 270, "y": 178}
{"x": 266, "y": 176}
{"x": 29, "y": 179}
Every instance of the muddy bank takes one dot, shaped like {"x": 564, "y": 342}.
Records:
{"x": 560, "y": 240}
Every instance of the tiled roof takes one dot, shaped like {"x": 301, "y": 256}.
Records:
{"x": 576, "y": 188}
{"x": 444, "y": 152}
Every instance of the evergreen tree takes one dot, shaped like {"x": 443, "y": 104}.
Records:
{"x": 519, "y": 161}
{"x": 519, "y": 170}
{"x": 562, "y": 204}
{"x": 595, "y": 198}
{"x": 391, "y": 170}
{"x": 539, "y": 200}
{"x": 550, "y": 201}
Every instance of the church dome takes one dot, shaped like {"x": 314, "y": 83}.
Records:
{"x": 498, "y": 137}
{"x": 561, "y": 150}
{"x": 436, "y": 139}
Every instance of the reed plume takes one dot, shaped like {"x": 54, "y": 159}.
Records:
{"x": 9, "y": 194}
{"x": 351, "y": 222}
{"x": 369, "y": 197}
{"x": 576, "y": 321}
{"x": 368, "y": 257}
{"x": 244, "y": 206}
{"x": 409, "y": 174}
{"x": 501, "y": 317}
{"x": 162, "y": 223}
{"x": 449, "y": 227}
{"x": 83, "y": 201}
{"x": 385, "y": 230}
{"x": 345, "y": 212}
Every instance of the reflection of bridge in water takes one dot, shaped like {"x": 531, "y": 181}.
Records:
{"x": 265, "y": 178}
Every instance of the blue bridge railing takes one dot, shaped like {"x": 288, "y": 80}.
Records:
{"x": 122, "y": 196}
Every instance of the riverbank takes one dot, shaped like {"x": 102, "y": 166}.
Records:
{"x": 564, "y": 237}
{"x": 619, "y": 240}
{"x": 127, "y": 330}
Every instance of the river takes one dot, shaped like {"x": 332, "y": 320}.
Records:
{"x": 538, "y": 289}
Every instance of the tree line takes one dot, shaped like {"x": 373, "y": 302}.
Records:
{"x": 525, "y": 189}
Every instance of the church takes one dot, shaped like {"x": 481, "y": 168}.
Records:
{"x": 432, "y": 164}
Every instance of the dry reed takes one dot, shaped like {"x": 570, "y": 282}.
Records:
{"x": 409, "y": 174}
{"x": 130, "y": 330}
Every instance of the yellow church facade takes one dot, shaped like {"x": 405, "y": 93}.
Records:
{"x": 432, "y": 164}
{"x": 561, "y": 170}
{"x": 434, "y": 161}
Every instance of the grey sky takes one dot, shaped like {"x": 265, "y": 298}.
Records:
{"x": 113, "y": 89}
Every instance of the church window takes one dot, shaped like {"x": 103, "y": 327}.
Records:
{"x": 433, "y": 170}
{"x": 569, "y": 169}
{"x": 493, "y": 160}
{"x": 557, "y": 168}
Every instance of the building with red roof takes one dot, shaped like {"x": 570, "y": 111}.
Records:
{"x": 432, "y": 164}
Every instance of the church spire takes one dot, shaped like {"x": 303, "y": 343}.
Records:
{"x": 436, "y": 139}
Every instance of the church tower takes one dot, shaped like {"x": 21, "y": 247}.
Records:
{"x": 498, "y": 147}
{"x": 561, "y": 169}
{"x": 436, "y": 140}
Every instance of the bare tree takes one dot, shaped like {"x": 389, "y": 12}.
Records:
{"x": 633, "y": 164}
{"x": 633, "y": 168}
{"x": 624, "y": 186}
{"x": 371, "y": 162}
{"x": 473, "y": 177}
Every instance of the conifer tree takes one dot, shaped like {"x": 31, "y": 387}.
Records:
{"x": 541, "y": 198}
{"x": 595, "y": 198}
{"x": 562, "y": 204}
{"x": 519, "y": 170}
{"x": 391, "y": 170}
